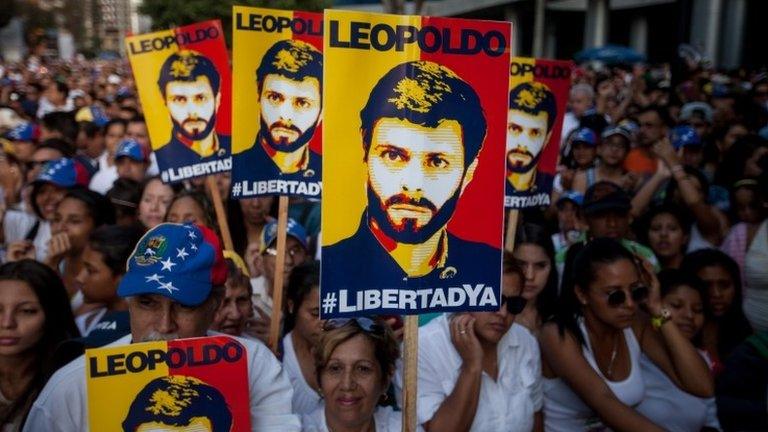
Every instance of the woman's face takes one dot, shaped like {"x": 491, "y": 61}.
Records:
{"x": 48, "y": 198}
{"x": 584, "y": 154}
{"x": 21, "y": 318}
{"x": 154, "y": 203}
{"x": 620, "y": 275}
{"x": 687, "y": 308}
{"x": 536, "y": 266}
{"x": 490, "y": 327}
{"x": 721, "y": 289}
{"x": 351, "y": 382}
{"x": 73, "y": 218}
{"x": 186, "y": 209}
{"x": 308, "y": 322}
{"x": 665, "y": 236}
{"x": 96, "y": 280}
{"x": 747, "y": 205}
{"x": 256, "y": 210}
{"x": 234, "y": 310}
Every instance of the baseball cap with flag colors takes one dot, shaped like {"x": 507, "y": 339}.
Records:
{"x": 64, "y": 173}
{"x": 181, "y": 262}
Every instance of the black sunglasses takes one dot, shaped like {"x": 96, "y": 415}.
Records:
{"x": 619, "y": 297}
{"x": 365, "y": 324}
{"x": 514, "y": 304}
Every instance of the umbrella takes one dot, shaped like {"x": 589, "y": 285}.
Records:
{"x": 610, "y": 54}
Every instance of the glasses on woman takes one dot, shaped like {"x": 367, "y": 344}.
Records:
{"x": 514, "y": 304}
{"x": 618, "y": 297}
{"x": 365, "y": 324}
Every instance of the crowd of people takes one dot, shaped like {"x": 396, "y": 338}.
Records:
{"x": 636, "y": 301}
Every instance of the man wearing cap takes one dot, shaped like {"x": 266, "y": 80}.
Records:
{"x": 689, "y": 146}
{"x": 191, "y": 88}
{"x": 570, "y": 220}
{"x": 530, "y": 118}
{"x": 296, "y": 253}
{"x": 173, "y": 286}
{"x": 697, "y": 115}
{"x": 24, "y": 137}
{"x": 289, "y": 81}
{"x": 131, "y": 160}
{"x": 420, "y": 154}
{"x": 612, "y": 151}
{"x": 606, "y": 211}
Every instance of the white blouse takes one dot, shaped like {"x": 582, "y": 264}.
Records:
{"x": 385, "y": 419}
{"x": 305, "y": 398}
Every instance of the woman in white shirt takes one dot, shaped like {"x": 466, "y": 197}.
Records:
{"x": 479, "y": 371}
{"x": 304, "y": 325}
{"x": 664, "y": 403}
{"x": 591, "y": 352}
{"x": 355, "y": 360}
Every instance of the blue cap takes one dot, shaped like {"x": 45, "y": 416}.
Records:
{"x": 685, "y": 136}
{"x": 617, "y": 130}
{"x": 293, "y": 229}
{"x": 64, "y": 173}
{"x": 94, "y": 114}
{"x": 584, "y": 135}
{"x": 23, "y": 132}
{"x": 181, "y": 262}
{"x": 576, "y": 197}
{"x": 132, "y": 149}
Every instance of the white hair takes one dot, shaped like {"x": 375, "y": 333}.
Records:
{"x": 583, "y": 88}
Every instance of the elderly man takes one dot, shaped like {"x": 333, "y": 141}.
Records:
{"x": 173, "y": 286}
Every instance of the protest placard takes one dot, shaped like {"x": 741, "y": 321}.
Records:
{"x": 184, "y": 84}
{"x": 538, "y": 93}
{"x": 277, "y": 117}
{"x": 412, "y": 215}
{"x": 199, "y": 383}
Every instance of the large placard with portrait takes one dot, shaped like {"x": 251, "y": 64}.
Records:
{"x": 538, "y": 94}
{"x": 189, "y": 384}
{"x": 184, "y": 84}
{"x": 412, "y": 212}
{"x": 277, "y": 117}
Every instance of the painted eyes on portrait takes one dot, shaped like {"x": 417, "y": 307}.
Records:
{"x": 276, "y": 98}
{"x": 182, "y": 99}
{"x": 516, "y": 129}
{"x": 394, "y": 156}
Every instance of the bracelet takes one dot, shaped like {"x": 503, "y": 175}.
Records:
{"x": 659, "y": 320}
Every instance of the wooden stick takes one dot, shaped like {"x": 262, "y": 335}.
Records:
{"x": 221, "y": 214}
{"x": 277, "y": 291}
{"x": 411, "y": 363}
{"x": 509, "y": 240}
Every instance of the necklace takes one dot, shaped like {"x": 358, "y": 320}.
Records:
{"x": 609, "y": 373}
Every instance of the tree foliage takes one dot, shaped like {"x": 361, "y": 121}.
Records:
{"x": 171, "y": 13}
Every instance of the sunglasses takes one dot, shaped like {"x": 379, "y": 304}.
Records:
{"x": 514, "y": 304}
{"x": 617, "y": 298}
{"x": 365, "y": 324}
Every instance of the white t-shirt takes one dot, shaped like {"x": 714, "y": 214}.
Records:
{"x": 507, "y": 404}
{"x": 564, "y": 411}
{"x": 305, "y": 398}
{"x": 666, "y": 405}
{"x": 63, "y": 403}
{"x": 102, "y": 181}
{"x": 16, "y": 225}
{"x": 260, "y": 296}
{"x": 385, "y": 419}
{"x": 87, "y": 321}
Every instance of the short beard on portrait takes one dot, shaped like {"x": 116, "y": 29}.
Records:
{"x": 209, "y": 125}
{"x": 283, "y": 145}
{"x": 522, "y": 169}
{"x": 408, "y": 232}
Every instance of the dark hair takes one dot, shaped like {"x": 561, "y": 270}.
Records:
{"x": 36, "y": 188}
{"x": 89, "y": 128}
{"x": 672, "y": 279}
{"x": 98, "y": 205}
{"x": 302, "y": 280}
{"x": 448, "y": 97}
{"x": 62, "y": 122}
{"x": 115, "y": 244}
{"x": 581, "y": 270}
{"x": 682, "y": 214}
{"x": 124, "y": 196}
{"x": 533, "y": 98}
{"x": 187, "y": 65}
{"x": 113, "y": 122}
{"x": 59, "y": 326}
{"x": 530, "y": 233}
{"x": 660, "y": 111}
{"x": 732, "y": 327}
{"x": 58, "y": 144}
{"x": 188, "y": 397}
{"x": 61, "y": 87}
{"x": 732, "y": 166}
{"x": 305, "y": 61}
{"x": 201, "y": 199}
{"x": 691, "y": 171}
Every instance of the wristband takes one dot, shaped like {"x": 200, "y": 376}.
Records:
{"x": 659, "y": 320}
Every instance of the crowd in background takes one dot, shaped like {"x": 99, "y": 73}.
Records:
{"x": 659, "y": 204}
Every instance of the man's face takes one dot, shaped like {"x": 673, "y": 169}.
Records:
{"x": 526, "y": 137}
{"x": 137, "y": 130}
{"x": 652, "y": 128}
{"x": 416, "y": 175}
{"x": 609, "y": 223}
{"x": 580, "y": 102}
{"x": 290, "y": 110}
{"x": 130, "y": 169}
{"x": 192, "y": 106}
{"x": 155, "y": 317}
